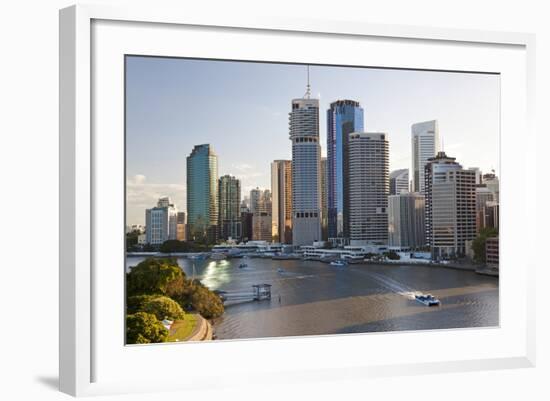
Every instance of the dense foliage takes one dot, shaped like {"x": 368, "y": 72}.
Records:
{"x": 163, "y": 308}
{"x": 144, "y": 328}
{"x": 478, "y": 244}
{"x": 157, "y": 287}
{"x": 173, "y": 245}
{"x": 153, "y": 276}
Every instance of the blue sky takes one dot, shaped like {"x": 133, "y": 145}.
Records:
{"x": 241, "y": 109}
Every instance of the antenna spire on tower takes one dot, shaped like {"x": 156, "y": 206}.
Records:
{"x": 308, "y": 87}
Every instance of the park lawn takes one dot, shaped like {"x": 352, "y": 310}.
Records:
{"x": 182, "y": 329}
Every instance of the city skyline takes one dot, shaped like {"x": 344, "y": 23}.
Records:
{"x": 262, "y": 126}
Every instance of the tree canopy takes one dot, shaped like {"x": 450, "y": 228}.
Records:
{"x": 153, "y": 276}
{"x": 144, "y": 328}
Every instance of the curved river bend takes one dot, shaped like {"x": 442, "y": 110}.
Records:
{"x": 317, "y": 298}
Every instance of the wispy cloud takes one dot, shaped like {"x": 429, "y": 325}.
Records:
{"x": 141, "y": 195}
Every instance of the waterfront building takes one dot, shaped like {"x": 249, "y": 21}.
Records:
{"x": 229, "y": 201}
{"x": 399, "y": 181}
{"x": 343, "y": 118}
{"x": 492, "y": 214}
{"x": 306, "y": 179}
{"x": 450, "y": 206}
{"x": 261, "y": 209}
{"x": 368, "y": 188}
{"x": 425, "y": 144}
{"x": 202, "y": 194}
{"x": 406, "y": 224}
{"x": 161, "y": 222}
{"x": 324, "y": 199}
{"x": 281, "y": 192}
{"x": 181, "y": 229}
{"x": 492, "y": 252}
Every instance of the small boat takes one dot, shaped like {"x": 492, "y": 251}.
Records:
{"x": 243, "y": 265}
{"x": 339, "y": 263}
{"x": 428, "y": 299}
{"x": 217, "y": 256}
{"x": 280, "y": 270}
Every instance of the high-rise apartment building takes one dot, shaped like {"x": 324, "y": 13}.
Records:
{"x": 161, "y": 222}
{"x": 181, "y": 229}
{"x": 202, "y": 194}
{"x": 406, "y": 225}
{"x": 229, "y": 201}
{"x": 306, "y": 177}
{"x": 425, "y": 144}
{"x": 399, "y": 181}
{"x": 450, "y": 206}
{"x": 343, "y": 118}
{"x": 368, "y": 188}
{"x": 281, "y": 193}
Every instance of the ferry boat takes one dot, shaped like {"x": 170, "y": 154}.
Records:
{"x": 217, "y": 256}
{"x": 243, "y": 265}
{"x": 428, "y": 299}
{"x": 339, "y": 263}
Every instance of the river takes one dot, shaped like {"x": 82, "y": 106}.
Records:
{"x": 317, "y": 298}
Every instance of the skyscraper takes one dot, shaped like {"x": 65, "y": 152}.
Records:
{"x": 406, "y": 225}
{"x": 202, "y": 194}
{"x": 399, "y": 181}
{"x": 161, "y": 222}
{"x": 306, "y": 177}
{"x": 368, "y": 188}
{"x": 281, "y": 193}
{"x": 450, "y": 206}
{"x": 229, "y": 199}
{"x": 343, "y": 118}
{"x": 324, "y": 199}
{"x": 425, "y": 144}
{"x": 261, "y": 206}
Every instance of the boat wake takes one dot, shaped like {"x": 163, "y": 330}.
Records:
{"x": 393, "y": 285}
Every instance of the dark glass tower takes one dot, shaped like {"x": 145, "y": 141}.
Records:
{"x": 202, "y": 194}
{"x": 343, "y": 118}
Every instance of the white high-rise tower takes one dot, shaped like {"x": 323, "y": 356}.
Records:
{"x": 306, "y": 177}
{"x": 425, "y": 145}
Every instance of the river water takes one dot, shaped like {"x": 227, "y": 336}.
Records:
{"x": 315, "y": 298}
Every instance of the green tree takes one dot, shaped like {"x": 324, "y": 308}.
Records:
{"x": 135, "y": 303}
{"x": 392, "y": 255}
{"x": 163, "y": 308}
{"x": 478, "y": 244}
{"x": 153, "y": 276}
{"x": 144, "y": 328}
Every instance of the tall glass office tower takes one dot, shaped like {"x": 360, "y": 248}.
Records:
{"x": 229, "y": 203}
{"x": 202, "y": 194}
{"x": 306, "y": 177}
{"x": 343, "y": 118}
{"x": 425, "y": 145}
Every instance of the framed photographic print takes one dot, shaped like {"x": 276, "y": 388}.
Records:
{"x": 297, "y": 196}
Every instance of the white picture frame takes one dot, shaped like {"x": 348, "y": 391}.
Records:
{"x": 86, "y": 352}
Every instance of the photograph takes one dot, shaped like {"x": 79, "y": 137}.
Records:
{"x": 272, "y": 199}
